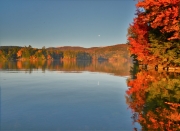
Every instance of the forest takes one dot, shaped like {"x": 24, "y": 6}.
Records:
{"x": 110, "y": 53}
{"x": 154, "y": 87}
{"x": 154, "y": 34}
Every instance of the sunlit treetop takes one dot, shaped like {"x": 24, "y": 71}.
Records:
{"x": 162, "y": 14}
{"x": 154, "y": 35}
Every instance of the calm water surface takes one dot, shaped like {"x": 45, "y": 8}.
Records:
{"x": 63, "y": 98}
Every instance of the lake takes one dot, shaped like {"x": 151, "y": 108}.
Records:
{"x": 54, "y": 95}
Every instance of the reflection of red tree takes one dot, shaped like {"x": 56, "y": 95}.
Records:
{"x": 154, "y": 100}
{"x": 49, "y": 57}
{"x": 137, "y": 93}
{"x": 19, "y": 64}
{"x": 162, "y": 119}
{"x": 49, "y": 63}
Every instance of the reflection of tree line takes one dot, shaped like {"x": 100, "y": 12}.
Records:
{"x": 116, "y": 68}
{"x": 154, "y": 98}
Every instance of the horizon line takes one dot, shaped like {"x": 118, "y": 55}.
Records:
{"x": 63, "y": 46}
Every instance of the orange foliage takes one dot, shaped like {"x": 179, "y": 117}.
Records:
{"x": 162, "y": 119}
{"x": 162, "y": 14}
{"x": 19, "y": 53}
{"x": 138, "y": 87}
{"x": 139, "y": 42}
{"x": 155, "y": 19}
{"x": 151, "y": 114}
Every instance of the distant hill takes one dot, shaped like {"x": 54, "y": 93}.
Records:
{"x": 111, "y": 53}
{"x": 7, "y": 47}
{"x": 64, "y": 48}
{"x": 78, "y": 48}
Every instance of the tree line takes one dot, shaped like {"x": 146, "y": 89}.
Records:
{"x": 111, "y": 53}
{"x": 25, "y": 53}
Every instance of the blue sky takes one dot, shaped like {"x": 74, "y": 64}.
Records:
{"x": 54, "y": 23}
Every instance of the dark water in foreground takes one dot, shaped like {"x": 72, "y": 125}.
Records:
{"x": 64, "y": 96}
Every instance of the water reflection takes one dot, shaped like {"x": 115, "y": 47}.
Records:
{"x": 56, "y": 100}
{"x": 154, "y": 98}
{"x": 116, "y": 68}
